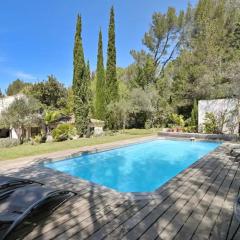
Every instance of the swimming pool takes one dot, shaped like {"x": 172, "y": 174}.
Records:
{"x": 140, "y": 167}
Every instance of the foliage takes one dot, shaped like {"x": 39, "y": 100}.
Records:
{"x": 148, "y": 124}
{"x": 165, "y": 36}
{"x": 39, "y": 139}
{"x": 50, "y": 117}
{"x": 194, "y": 115}
{"x": 112, "y": 93}
{"x": 81, "y": 83}
{"x": 144, "y": 70}
{"x": 119, "y": 112}
{"x": 20, "y": 115}
{"x": 177, "y": 120}
{"x": 64, "y": 132}
{"x": 50, "y": 93}
{"x": 190, "y": 129}
{"x": 8, "y": 143}
{"x": 144, "y": 105}
{"x": 211, "y": 123}
{"x": 187, "y": 56}
{"x": 68, "y": 110}
{"x": 100, "y": 107}
{"x": 16, "y": 87}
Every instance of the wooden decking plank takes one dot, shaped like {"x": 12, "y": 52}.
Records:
{"x": 197, "y": 214}
{"x": 144, "y": 225}
{"x": 92, "y": 224}
{"x": 81, "y": 211}
{"x": 163, "y": 221}
{"x": 81, "y": 219}
{"x": 76, "y": 204}
{"x": 116, "y": 222}
{"x": 222, "y": 224}
{"x": 111, "y": 224}
{"x": 234, "y": 223}
{"x": 136, "y": 219}
{"x": 204, "y": 228}
{"x": 176, "y": 224}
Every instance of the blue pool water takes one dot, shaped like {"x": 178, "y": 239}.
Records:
{"x": 136, "y": 168}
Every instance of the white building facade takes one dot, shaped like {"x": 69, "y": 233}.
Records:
{"x": 5, "y": 102}
{"x": 226, "y": 111}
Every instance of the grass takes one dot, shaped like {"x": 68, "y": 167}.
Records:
{"x": 32, "y": 150}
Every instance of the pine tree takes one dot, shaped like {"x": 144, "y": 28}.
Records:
{"x": 80, "y": 84}
{"x": 111, "y": 72}
{"x": 100, "y": 85}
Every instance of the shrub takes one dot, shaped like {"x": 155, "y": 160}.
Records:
{"x": 211, "y": 123}
{"x": 190, "y": 129}
{"x": 148, "y": 124}
{"x": 64, "y": 132}
{"x": 40, "y": 139}
{"x": 37, "y": 139}
{"x": 178, "y": 120}
{"x": 7, "y": 142}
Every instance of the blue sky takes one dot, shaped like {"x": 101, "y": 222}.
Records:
{"x": 36, "y": 37}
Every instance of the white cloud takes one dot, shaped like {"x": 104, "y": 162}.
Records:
{"x": 24, "y": 76}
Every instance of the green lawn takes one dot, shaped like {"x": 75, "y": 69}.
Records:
{"x": 31, "y": 150}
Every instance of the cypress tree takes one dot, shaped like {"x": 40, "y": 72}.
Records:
{"x": 111, "y": 72}
{"x": 80, "y": 83}
{"x": 100, "y": 84}
{"x": 88, "y": 72}
{"x": 194, "y": 114}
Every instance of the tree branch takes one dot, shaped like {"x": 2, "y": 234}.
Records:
{"x": 169, "y": 58}
{"x": 157, "y": 59}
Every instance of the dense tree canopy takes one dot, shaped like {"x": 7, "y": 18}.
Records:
{"x": 50, "y": 93}
{"x": 189, "y": 56}
{"x": 186, "y": 56}
{"x": 16, "y": 87}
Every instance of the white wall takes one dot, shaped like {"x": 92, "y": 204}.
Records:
{"x": 219, "y": 107}
{"x": 13, "y": 134}
{"x": 5, "y": 102}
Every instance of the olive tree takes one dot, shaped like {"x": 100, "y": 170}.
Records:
{"x": 22, "y": 114}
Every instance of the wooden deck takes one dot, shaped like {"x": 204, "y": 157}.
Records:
{"x": 196, "y": 204}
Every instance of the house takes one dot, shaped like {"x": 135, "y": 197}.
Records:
{"x": 5, "y": 102}
{"x": 226, "y": 111}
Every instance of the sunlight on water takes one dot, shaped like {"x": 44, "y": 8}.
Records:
{"x": 136, "y": 168}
